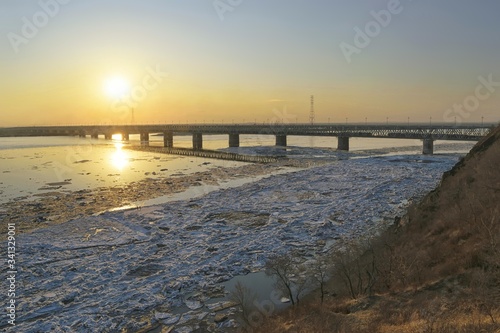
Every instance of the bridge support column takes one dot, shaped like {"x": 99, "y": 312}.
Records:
{"x": 281, "y": 140}
{"x": 234, "y": 140}
{"x": 145, "y": 139}
{"x": 197, "y": 141}
{"x": 168, "y": 139}
{"x": 108, "y": 136}
{"x": 125, "y": 137}
{"x": 82, "y": 136}
{"x": 428, "y": 147}
{"x": 94, "y": 136}
{"x": 343, "y": 143}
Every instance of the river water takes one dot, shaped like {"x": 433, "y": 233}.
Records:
{"x": 34, "y": 165}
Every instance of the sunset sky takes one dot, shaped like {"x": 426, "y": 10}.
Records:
{"x": 249, "y": 60}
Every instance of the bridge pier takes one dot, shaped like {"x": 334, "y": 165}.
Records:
{"x": 197, "y": 141}
{"x": 234, "y": 140}
{"x": 168, "y": 139}
{"x": 281, "y": 140}
{"x": 428, "y": 148}
{"x": 82, "y": 136}
{"x": 144, "y": 139}
{"x": 108, "y": 136}
{"x": 94, "y": 136}
{"x": 343, "y": 143}
{"x": 125, "y": 137}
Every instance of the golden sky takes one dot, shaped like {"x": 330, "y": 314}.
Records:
{"x": 242, "y": 61}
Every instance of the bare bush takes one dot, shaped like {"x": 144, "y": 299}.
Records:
{"x": 320, "y": 271}
{"x": 245, "y": 298}
{"x": 291, "y": 276}
{"x": 347, "y": 269}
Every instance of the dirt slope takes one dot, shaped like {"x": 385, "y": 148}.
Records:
{"x": 437, "y": 270}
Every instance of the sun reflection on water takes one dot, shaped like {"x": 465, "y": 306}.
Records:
{"x": 119, "y": 159}
{"x": 116, "y": 137}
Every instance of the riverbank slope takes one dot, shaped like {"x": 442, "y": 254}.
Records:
{"x": 436, "y": 270}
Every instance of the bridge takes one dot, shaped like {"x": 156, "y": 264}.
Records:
{"x": 427, "y": 133}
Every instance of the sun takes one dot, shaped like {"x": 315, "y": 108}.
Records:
{"x": 116, "y": 87}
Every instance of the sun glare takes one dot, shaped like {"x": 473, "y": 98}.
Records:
{"x": 116, "y": 87}
{"x": 119, "y": 159}
{"x": 117, "y": 137}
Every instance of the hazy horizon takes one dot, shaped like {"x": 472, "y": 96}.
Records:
{"x": 244, "y": 61}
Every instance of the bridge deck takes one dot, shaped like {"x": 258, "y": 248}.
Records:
{"x": 472, "y": 132}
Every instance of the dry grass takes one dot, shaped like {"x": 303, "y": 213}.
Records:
{"x": 437, "y": 271}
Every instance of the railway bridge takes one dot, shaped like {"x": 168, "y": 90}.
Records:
{"x": 427, "y": 133}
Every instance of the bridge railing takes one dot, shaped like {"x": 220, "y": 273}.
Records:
{"x": 361, "y": 130}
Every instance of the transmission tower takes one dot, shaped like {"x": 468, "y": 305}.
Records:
{"x": 311, "y": 113}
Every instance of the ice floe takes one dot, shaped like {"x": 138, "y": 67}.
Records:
{"x": 128, "y": 269}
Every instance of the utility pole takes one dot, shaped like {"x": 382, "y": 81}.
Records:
{"x": 311, "y": 113}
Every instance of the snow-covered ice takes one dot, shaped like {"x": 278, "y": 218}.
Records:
{"x": 124, "y": 269}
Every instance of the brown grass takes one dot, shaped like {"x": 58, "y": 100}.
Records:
{"x": 437, "y": 271}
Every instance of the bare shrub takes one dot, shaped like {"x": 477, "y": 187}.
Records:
{"x": 347, "y": 269}
{"x": 291, "y": 276}
{"x": 320, "y": 271}
{"x": 245, "y": 298}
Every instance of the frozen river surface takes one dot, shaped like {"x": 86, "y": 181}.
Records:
{"x": 117, "y": 270}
